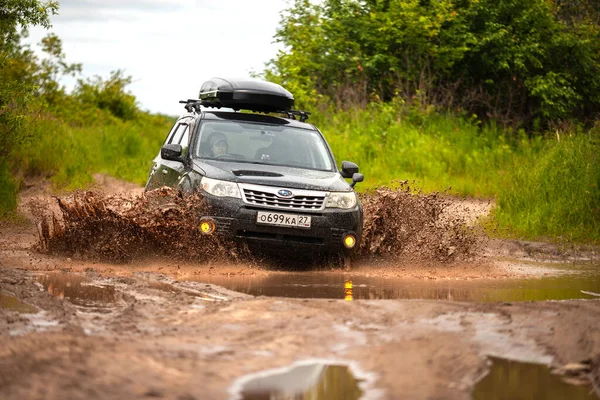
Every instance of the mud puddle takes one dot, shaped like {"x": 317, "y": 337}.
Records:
{"x": 79, "y": 290}
{"x": 10, "y": 302}
{"x": 339, "y": 285}
{"x": 317, "y": 381}
{"x": 523, "y": 381}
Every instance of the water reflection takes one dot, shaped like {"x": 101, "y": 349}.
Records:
{"x": 304, "y": 382}
{"x": 78, "y": 290}
{"x": 348, "y": 291}
{"x": 338, "y": 285}
{"x": 9, "y": 302}
{"x": 512, "y": 380}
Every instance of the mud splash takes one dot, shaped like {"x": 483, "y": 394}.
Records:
{"x": 405, "y": 224}
{"x": 399, "y": 224}
{"x": 116, "y": 229}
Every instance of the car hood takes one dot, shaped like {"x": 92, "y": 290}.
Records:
{"x": 272, "y": 175}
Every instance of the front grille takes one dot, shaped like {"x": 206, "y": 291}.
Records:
{"x": 267, "y": 197}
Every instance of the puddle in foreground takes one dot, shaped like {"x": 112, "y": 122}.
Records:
{"x": 524, "y": 381}
{"x": 9, "y": 302}
{"x": 339, "y": 285}
{"x": 78, "y": 290}
{"x": 313, "y": 381}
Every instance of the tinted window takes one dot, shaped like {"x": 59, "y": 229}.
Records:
{"x": 171, "y": 133}
{"x": 264, "y": 144}
{"x": 179, "y": 133}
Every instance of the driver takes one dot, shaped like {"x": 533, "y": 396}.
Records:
{"x": 218, "y": 144}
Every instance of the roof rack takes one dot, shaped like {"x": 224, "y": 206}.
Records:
{"x": 193, "y": 106}
{"x": 303, "y": 115}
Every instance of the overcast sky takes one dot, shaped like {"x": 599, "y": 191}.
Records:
{"x": 169, "y": 47}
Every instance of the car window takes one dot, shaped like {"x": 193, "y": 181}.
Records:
{"x": 185, "y": 139}
{"x": 179, "y": 132}
{"x": 171, "y": 133}
{"x": 263, "y": 144}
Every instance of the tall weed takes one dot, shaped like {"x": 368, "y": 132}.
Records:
{"x": 555, "y": 192}
{"x": 70, "y": 155}
{"x": 437, "y": 151}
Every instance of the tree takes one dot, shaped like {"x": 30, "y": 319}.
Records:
{"x": 15, "y": 62}
{"x": 15, "y": 92}
{"x": 524, "y": 63}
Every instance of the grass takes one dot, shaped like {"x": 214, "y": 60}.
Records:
{"x": 555, "y": 192}
{"x": 437, "y": 152}
{"x": 71, "y": 155}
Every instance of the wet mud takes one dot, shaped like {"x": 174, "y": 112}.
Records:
{"x": 399, "y": 224}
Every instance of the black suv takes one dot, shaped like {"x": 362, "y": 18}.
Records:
{"x": 266, "y": 178}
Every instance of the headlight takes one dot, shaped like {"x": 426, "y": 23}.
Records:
{"x": 341, "y": 200}
{"x": 220, "y": 188}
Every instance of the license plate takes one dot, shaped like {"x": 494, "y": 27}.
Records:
{"x": 281, "y": 219}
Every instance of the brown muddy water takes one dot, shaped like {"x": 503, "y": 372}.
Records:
{"x": 576, "y": 282}
{"x": 573, "y": 282}
{"x": 78, "y": 290}
{"x": 10, "y": 302}
{"x": 317, "y": 381}
{"x": 512, "y": 380}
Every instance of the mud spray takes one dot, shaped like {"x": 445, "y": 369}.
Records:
{"x": 399, "y": 225}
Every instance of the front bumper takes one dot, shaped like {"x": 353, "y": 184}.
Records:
{"x": 236, "y": 219}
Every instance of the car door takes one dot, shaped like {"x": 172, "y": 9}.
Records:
{"x": 167, "y": 172}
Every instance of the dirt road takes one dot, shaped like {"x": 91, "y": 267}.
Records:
{"x": 74, "y": 328}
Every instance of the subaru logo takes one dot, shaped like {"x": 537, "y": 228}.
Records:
{"x": 284, "y": 193}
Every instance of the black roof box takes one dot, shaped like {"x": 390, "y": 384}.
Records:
{"x": 245, "y": 94}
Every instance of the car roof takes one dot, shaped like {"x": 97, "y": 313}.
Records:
{"x": 251, "y": 117}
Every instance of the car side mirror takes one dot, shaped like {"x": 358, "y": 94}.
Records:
{"x": 348, "y": 169}
{"x": 172, "y": 152}
{"x": 357, "y": 178}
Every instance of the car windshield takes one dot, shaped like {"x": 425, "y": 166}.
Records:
{"x": 262, "y": 144}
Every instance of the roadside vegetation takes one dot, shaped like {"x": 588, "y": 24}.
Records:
{"x": 67, "y": 137}
{"x": 489, "y": 99}
{"x": 474, "y": 98}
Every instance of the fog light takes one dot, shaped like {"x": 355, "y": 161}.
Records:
{"x": 349, "y": 240}
{"x": 207, "y": 226}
